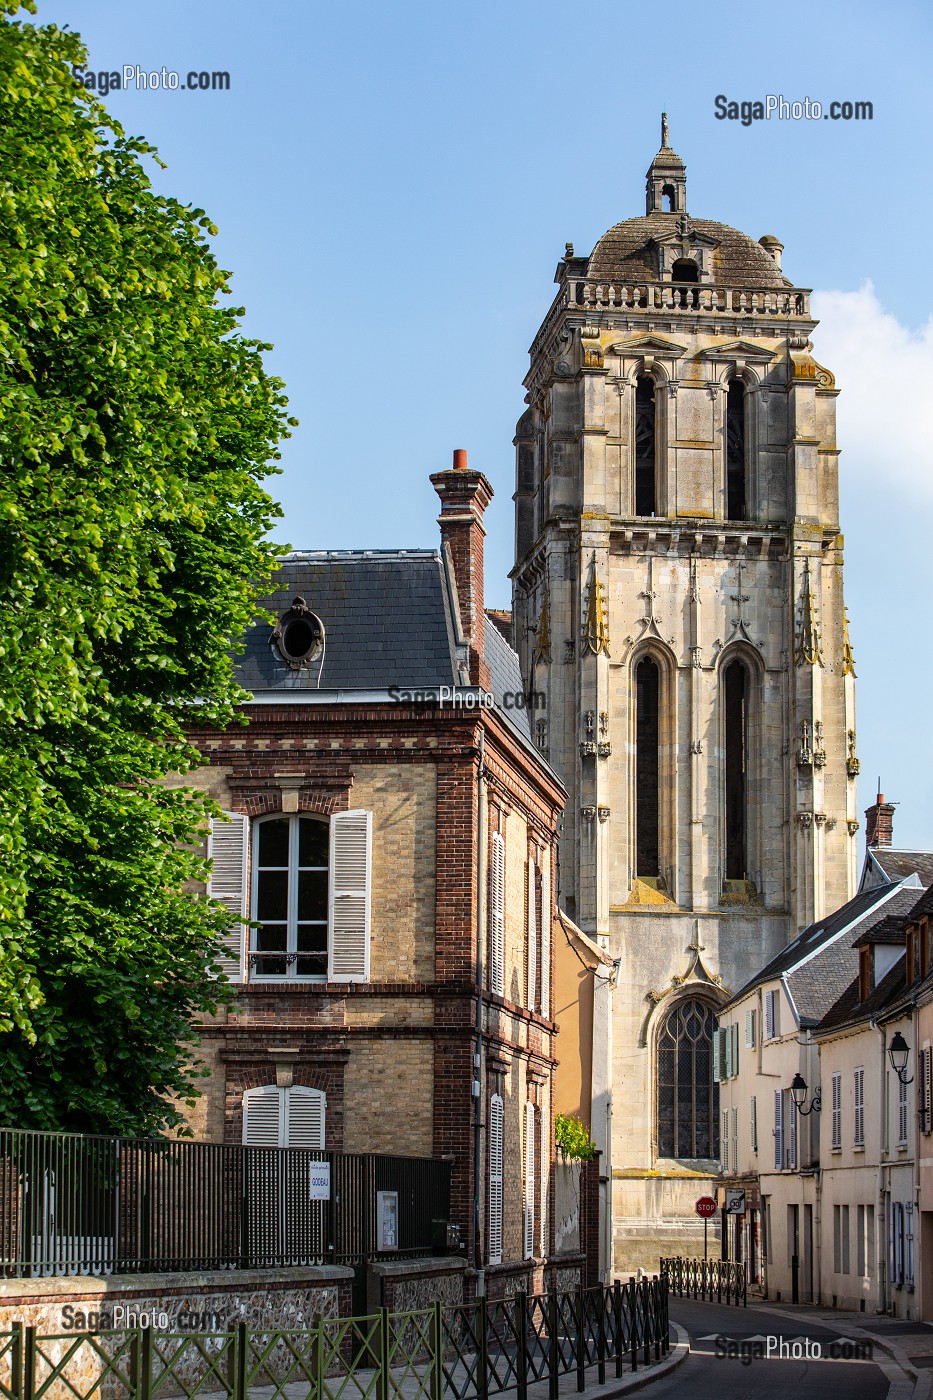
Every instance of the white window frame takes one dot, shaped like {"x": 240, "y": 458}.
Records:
{"x": 349, "y": 911}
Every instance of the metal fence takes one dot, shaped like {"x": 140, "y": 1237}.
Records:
{"x": 724, "y": 1279}
{"x": 466, "y": 1352}
{"x": 73, "y": 1203}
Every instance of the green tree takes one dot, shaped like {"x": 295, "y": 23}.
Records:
{"x": 136, "y": 427}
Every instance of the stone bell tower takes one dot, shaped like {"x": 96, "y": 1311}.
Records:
{"x": 678, "y": 603}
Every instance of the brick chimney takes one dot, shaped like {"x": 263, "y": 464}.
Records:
{"x": 465, "y": 494}
{"x": 879, "y": 822}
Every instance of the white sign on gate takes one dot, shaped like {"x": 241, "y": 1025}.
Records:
{"x": 320, "y": 1181}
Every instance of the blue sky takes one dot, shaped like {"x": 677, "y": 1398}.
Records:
{"x": 393, "y": 186}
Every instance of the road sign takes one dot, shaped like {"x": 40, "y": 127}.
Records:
{"x": 735, "y": 1201}
{"x": 706, "y": 1207}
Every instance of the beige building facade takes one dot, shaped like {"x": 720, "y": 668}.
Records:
{"x": 678, "y": 611}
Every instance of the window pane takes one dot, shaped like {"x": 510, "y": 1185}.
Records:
{"x": 272, "y": 894}
{"x": 273, "y": 842}
{"x": 312, "y": 894}
{"x": 271, "y": 938}
{"x": 312, "y": 950}
{"x": 313, "y": 842}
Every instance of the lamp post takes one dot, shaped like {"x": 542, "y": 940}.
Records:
{"x": 899, "y": 1054}
{"x": 798, "y": 1092}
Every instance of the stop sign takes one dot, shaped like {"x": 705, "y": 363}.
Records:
{"x": 706, "y": 1207}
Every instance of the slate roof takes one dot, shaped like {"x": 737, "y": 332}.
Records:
{"x": 386, "y": 617}
{"x": 387, "y": 622}
{"x": 891, "y": 930}
{"x": 814, "y": 985}
{"x": 848, "y": 1010}
{"x": 820, "y": 961}
{"x": 885, "y": 862}
{"x": 626, "y": 253}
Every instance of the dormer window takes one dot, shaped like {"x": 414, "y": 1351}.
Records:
{"x": 299, "y": 636}
{"x": 685, "y": 270}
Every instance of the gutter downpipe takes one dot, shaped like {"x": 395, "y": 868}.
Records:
{"x": 478, "y": 1077}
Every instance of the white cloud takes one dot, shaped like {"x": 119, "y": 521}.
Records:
{"x": 885, "y": 372}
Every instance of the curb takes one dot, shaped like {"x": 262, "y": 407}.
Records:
{"x": 921, "y": 1379}
{"x": 680, "y": 1350}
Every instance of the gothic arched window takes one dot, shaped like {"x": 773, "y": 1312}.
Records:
{"x": 647, "y": 736}
{"x": 736, "y": 472}
{"x": 646, "y": 496}
{"x": 688, "y": 1099}
{"x": 735, "y": 689}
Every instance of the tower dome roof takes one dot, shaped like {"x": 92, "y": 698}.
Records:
{"x": 630, "y": 252}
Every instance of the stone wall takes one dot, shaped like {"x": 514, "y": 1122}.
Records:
{"x": 407, "y": 1285}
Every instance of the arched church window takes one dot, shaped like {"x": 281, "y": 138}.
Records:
{"x": 735, "y": 701}
{"x": 647, "y": 736}
{"x": 645, "y": 447}
{"x": 688, "y": 1099}
{"x": 668, "y": 200}
{"x": 736, "y": 473}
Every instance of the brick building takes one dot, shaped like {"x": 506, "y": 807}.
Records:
{"x": 391, "y": 830}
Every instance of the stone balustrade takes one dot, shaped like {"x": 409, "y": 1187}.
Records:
{"x": 685, "y": 297}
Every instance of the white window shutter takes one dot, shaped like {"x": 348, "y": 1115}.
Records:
{"x": 305, "y": 1114}
{"x": 264, "y": 1116}
{"x": 779, "y": 1130}
{"x": 227, "y": 847}
{"x": 749, "y": 1030}
{"x": 546, "y": 935}
{"x": 497, "y": 915}
{"x": 724, "y": 1142}
{"x": 529, "y": 1232}
{"x": 351, "y": 839}
{"x": 531, "y": 956}
{"x": 728, "y": 1070}
{"x": 496, "y": 1116}
{"x": 927, "y": 1090}
{"x": 769, "y": 1015}
{"x": 717, "y": 1057}
{"x": 753, "y": 1123}
{"x": 792, "y": 1133}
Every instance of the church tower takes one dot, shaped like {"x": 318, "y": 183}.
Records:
{"x": 678, "y": 609}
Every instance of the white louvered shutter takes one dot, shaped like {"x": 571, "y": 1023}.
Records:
{"x": 724, "y": 1141}
{"x": 529, "y": 1219}
{"x": 350, "y": 881}
{"x": 753, "y": 1123}
{"x": 305, "y": 1112}
{"x": 836, "y": 1119}
{"x": 727, "y": 1068}
{"x": 778, "y": 1130}
{"x": 227, "y": 849}
{"x": 769, "y": 1015}
{"x": 531, "y": 957}
{"x": 496, "y": 1116}
{"x": 927, "y": 1090}
{"x": 545, "y": 1154}
{"x": 791, "y": 1112}
{"x": 735, "y": 1137}
{"x": 749, "y": 1030}
{"x": 860, "y": 1107}
{"x": 546, "y": 936}
{"x": 717, "y": 1057}
{"x": 264, "y": 1116}
{"x": 497, "y": 916}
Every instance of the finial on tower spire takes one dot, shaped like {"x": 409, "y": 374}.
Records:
{"x": 664, "y": 140}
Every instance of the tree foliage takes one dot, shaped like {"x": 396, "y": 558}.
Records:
{"x": 573, "y": 1139}
{"x": 136, "y": 427}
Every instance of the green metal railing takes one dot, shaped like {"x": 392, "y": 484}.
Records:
{"x": 726, "y": 1280}
{"x": 469, "y": 1351}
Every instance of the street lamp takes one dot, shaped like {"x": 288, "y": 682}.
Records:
{"x": 899, "y": 1054}
{"x": 798, "y": 1092}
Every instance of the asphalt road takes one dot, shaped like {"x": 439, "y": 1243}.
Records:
{"x": 729, "y": 1358}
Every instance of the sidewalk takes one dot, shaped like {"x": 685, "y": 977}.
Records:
{"x": 909, "y": 1344}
